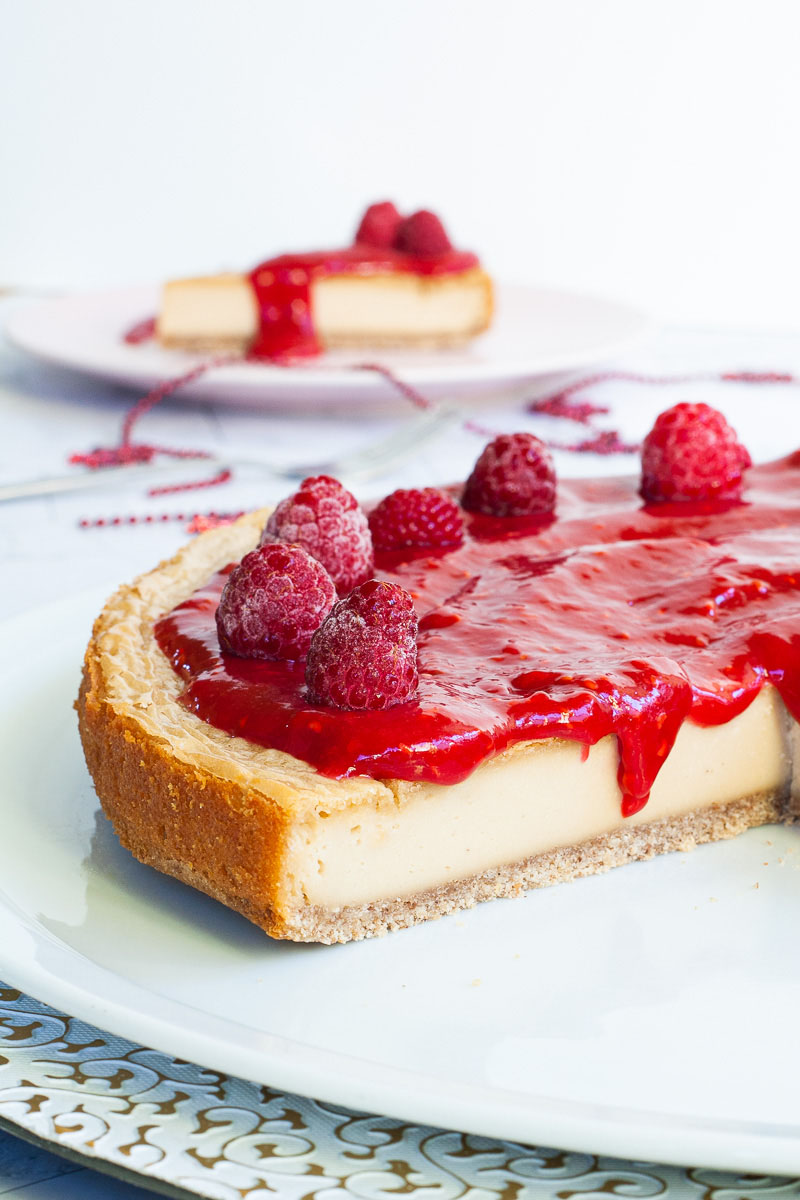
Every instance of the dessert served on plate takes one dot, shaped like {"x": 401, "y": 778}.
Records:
{"x": 401, "y": 283}
{"x": 341, "y": 724}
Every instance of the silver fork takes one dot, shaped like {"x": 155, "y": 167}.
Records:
{"x": 364, "y": 463}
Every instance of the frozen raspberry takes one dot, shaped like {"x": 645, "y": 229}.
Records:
{"x": 273, "y": 603}
{"x": 422, "y": 233}
{"x": 514, "y": 477}
{"x": 325, "y": 519}
{"x": 364, "y": 654}
{"x": 691, "y": 453}
{"x": 379, "y": 225}
{"x": 416, "y": 517}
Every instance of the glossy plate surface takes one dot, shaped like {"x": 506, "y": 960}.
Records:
{"x": 537, "y": 332}
{"x": 648, "y": 1013}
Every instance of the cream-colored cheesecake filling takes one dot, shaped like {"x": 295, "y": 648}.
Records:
{"x": 536, "y": 797}
{"x": 222, "y": 308}
{"x": 217, "y": 308}
{"x": 398, "y": 305}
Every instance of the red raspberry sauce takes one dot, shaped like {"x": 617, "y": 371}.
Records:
{"x": 282, "y": 288}
{"x": 613, "y": 617}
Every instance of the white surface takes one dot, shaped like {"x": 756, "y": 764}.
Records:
{"x": 599, "y": 1015}
{"x": 644, "y": 150}
{"x": 534, "y": 333}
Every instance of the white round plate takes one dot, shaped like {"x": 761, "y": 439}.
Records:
{"x": 536, "y": 332}
{"x": 648, "y": 1013}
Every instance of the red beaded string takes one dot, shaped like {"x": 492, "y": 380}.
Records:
{"x": 604, "y": 441}
{"x": 167, "y": 388}
{"x": 197, "y": 522}
{"x": 556, "y": 405}
{"x": 128, "y": 451}
{"x": 172, "y": 488}
{"x": 559, "y": 404}
{"x": 405, "y": 389}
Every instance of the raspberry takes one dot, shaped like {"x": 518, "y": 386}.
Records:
{"x": 325, "y": 519}
{"x": 514, "y": 477}
{"x": 422, "y": 233}
{"x": 364, "y": 654}
{"x": 691, "y": 453}
{"x": 416, "y": 517}
{"x": 379, "y": 225}
{"x": 273, "y": 603}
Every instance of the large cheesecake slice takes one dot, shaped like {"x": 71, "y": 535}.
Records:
{"x": 617, "y": 682}
{"x": 363, "y": 296}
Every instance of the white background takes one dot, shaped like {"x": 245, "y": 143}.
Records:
{"x": 642, "y": 149}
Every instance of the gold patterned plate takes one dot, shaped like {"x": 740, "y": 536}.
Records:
{"x": 169, "y": 1124}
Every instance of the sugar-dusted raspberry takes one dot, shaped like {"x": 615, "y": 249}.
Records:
{"x": 273, "y": 603}
{"x": 379, "y": 225}
{"x": 325, "y": 519}
{"x": 422, "y": 233}
{"x": 513, "y": 477}
{"x": 416, "y": 517}
{"x": 364, "y": 654}
{"x": 691, "y": 453}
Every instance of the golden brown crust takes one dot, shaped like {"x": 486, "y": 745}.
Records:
{"x": 223, "y": 838}
{"x": 206, "y": 345}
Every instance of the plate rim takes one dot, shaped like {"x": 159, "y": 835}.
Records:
{"x": 317, "y": 379}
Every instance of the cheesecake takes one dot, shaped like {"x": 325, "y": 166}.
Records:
{"x": 598, "y": 683}
{"x": 401, "y": 283}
